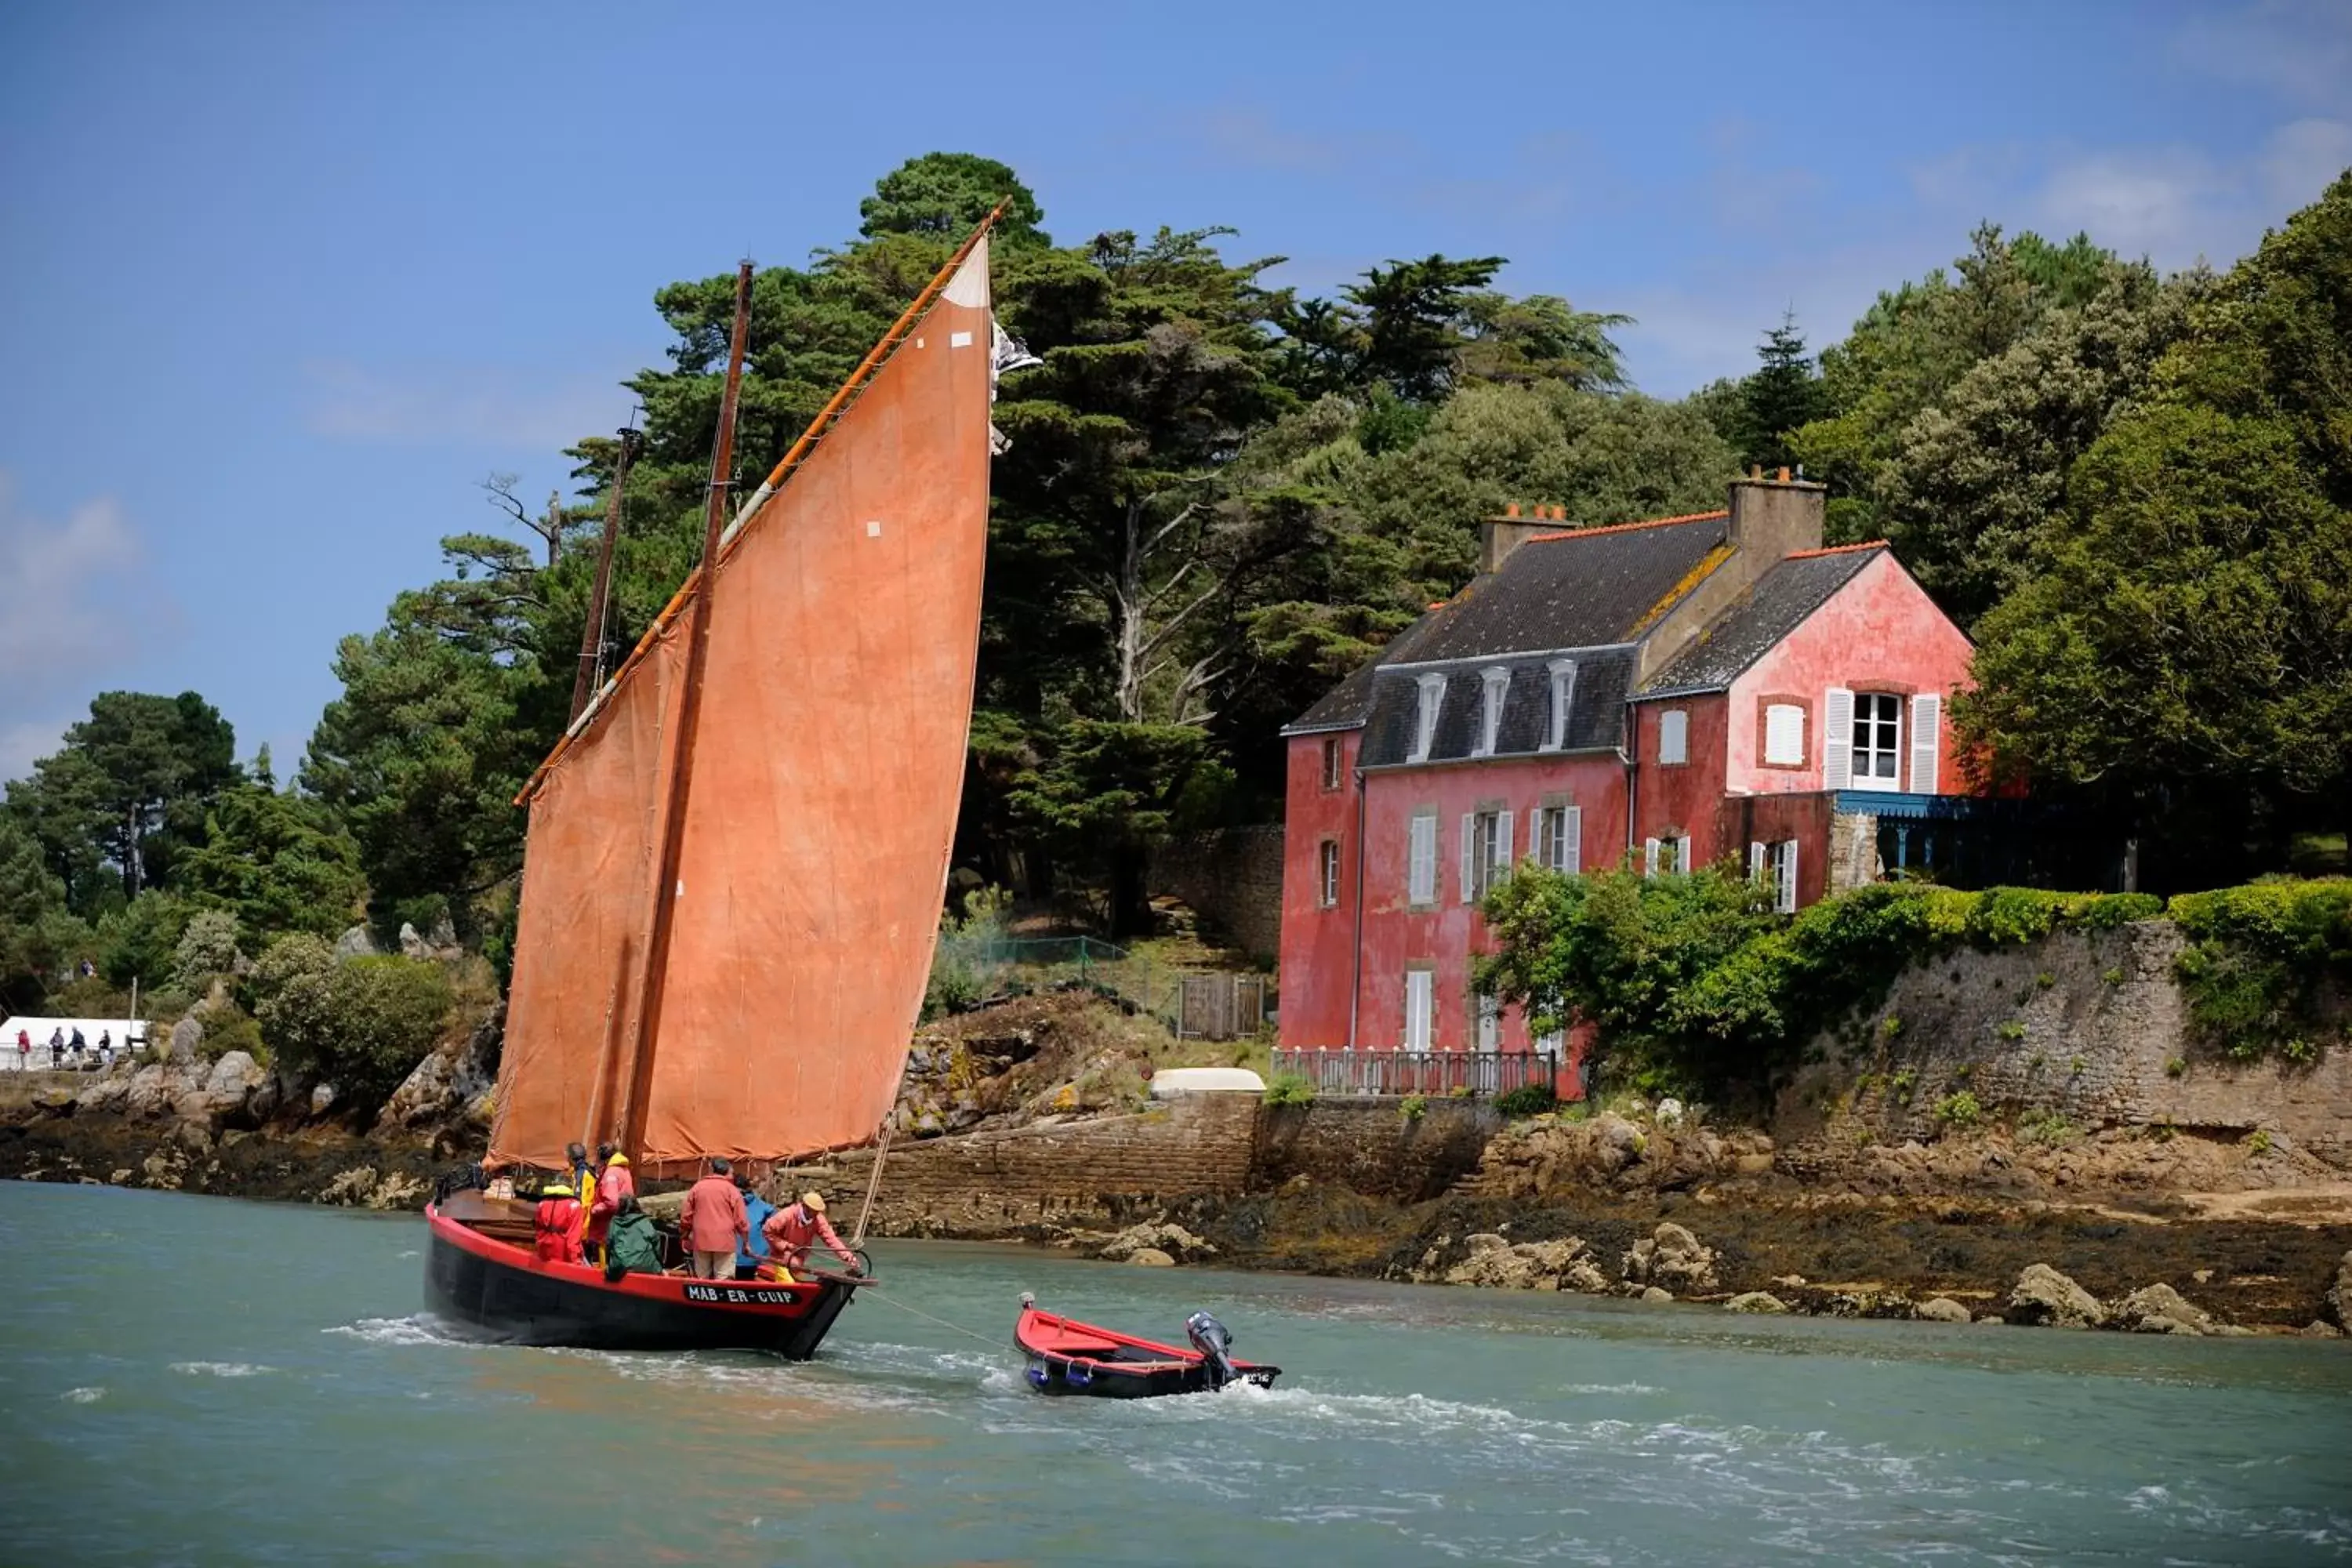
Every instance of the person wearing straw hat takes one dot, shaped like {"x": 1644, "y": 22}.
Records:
{"x": 792, "y": 1230}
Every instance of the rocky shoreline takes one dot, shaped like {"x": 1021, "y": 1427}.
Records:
{"x": 2177, "y": 1234}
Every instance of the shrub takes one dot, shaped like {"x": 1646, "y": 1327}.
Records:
{"x": 2045, "y": 980}
{"x": 2048, "y": 1127}
{"x": 1527, "y": 1099}
{"x": 362, "y": 1025}
{"x": 2176, "y": 1067}
{"x": 1959, "y": 1111}
{"x": 2258, "y": 1141}
{"x": 208, "y": 947}
{"x": 1290, "y": 1089}
{"x": 2261, "y": 959}
{"x": 2114, "y": 976}
{"x": 229, "y": 1029}
{"x": 1414, "y": 1107}
{"x": 1892, "y": 1027}
{"x": 2012, "y": 1030}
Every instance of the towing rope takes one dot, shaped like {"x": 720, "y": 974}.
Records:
{"x": 958, "y": 1328}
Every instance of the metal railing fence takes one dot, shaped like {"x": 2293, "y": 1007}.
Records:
{"x": 1432, "y": 1074}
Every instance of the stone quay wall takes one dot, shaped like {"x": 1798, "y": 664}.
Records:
{"x": 1233, "y": 879}
{"x": 2091, "y": 1027}
{"x": 1006, "y": 1182}
{"x": 1368, "y": 1144}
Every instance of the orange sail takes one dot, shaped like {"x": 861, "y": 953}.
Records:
{"x": 827, "y": 766}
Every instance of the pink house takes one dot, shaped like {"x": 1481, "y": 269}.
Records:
{"x": 1663, "y": 694}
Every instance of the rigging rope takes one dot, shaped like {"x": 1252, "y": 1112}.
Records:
{"x": 872, "y": 1185}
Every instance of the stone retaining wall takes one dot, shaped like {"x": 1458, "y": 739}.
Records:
{"x": 1001, "y": 1183}
{"x": 2090, "y": 1025}
{"x": 1367, "y": 1145}
{"x": 1233, "y": 879}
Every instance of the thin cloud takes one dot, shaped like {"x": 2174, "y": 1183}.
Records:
{"x": 2302, "y": 49}
{"x": 460, "y": 405}
{"x": 78, "y": 598}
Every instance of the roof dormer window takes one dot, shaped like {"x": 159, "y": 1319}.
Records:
{"x": 1496, "y": 684}
{"x": 1425, "y": 719}
{"x": 1563, "y": 696}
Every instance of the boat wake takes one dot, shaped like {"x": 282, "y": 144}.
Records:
{"x": 219, "y": 1369}
{"x": 417, "y": 1329}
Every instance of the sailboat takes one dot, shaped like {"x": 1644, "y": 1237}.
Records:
{"x": 737, "y": 853}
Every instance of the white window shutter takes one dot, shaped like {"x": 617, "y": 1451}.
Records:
{"x": 1926, "y": 721}
{"x": 1756, "y": 860}
{"x": 1837, "y": 738}
{"x": 1469, "y": 857}
{"x": 1534, "y": 832}
{"x": 1502, "y": 846}
{"x": 1572, "y": 839}
{"x": 1788, "y": 876}
{"x": 1784, "y": 735}
{"x": 1674, "y": 736}
{"x": 1649, "y": 856}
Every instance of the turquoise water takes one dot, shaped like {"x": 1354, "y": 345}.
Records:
{"x": 200, "y": 1381}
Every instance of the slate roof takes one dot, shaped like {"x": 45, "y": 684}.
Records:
{"x": 1596, "y": 711}
{"x": 1776, "y": 605}
{"x": 1586, "y": 589}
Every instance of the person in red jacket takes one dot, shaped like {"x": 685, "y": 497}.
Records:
{"x": 713, "y": 1224}
{"x": 614, "y": 1181}
{"x": 557, "y": 1224}
{"x": 792, "y": 1230}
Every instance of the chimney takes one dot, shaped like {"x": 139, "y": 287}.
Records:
{"x": 1498, "y": 536}
{"x": 1775, "y": 517}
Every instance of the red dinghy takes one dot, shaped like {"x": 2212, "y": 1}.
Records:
{"x": 1067, "y": 1356}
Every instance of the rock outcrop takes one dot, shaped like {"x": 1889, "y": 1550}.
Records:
{"x": 1546, "y": 1155}
{"x": 1757, "y": 1301}
{"x": 2161, "y": 1309}
{"x": 1496, "y": 1264}
{"x": 455, "y": 1082}
{"x": 2046, "y": 1297}
{"x": 1172, "y": 1243}
{"x": 1673, "y": 1258}
{"x": 1940, "y": 1309}
{"x": 2340, "y": 1295}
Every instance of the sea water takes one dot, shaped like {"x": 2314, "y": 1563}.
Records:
{"x": 206, "y": 1381}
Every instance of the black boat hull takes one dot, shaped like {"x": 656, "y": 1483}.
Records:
{"x": 1099, "y": 1380}
{"x": 524, "y": 1302}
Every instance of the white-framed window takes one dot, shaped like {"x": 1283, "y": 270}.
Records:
{"x": 1326, "y": 873}
{"x": 1485, "y": 852}
{"x": 1432, "y": 697}
{"x": 1558, "y": 840}
{"x": 1489, "y": 1036}
{"x": 1774, "y": 866}
{"x": 1421, "y": 859}
{"x": 1331, "y": 762}
{"x": 1552, "y": 1044}
{"x": 1667, "y": 856}
{"x": 1784, "y": 735}
{"x": 1494, "y": 686}
{"x": 1563, "y": 699}
{"x": 1877, "y": 747}
{"x": 1674, "y": 737}
{"x": 1420, "y": 995}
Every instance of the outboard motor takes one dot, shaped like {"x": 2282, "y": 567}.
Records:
{"x": 1212, "y": 1339}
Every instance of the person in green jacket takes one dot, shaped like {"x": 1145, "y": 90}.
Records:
{"x": 631, "y": 1246}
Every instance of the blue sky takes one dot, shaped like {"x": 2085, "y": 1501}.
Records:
{"x": 282, "y": 284}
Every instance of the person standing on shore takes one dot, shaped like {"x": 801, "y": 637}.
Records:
{"x": 24, "y": 1050}
{"x": 56, "y": 1048}
{"x": 713, "y": 1224}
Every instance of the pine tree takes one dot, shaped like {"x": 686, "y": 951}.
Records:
{"x": 1783, "y": 395}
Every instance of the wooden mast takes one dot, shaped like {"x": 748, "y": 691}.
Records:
{"x": 592, "y": 634}
{"x": 667, "y": 891}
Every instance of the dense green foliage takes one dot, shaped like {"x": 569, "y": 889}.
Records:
{"x": 2264, "y": 961}
{"x": 1697, "y": 987}
{"x": 364, "y": 1024}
